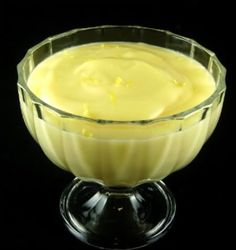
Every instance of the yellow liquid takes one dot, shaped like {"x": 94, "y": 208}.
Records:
{"x": 120, "y": 81}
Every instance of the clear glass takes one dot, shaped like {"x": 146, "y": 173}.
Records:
{"x": 118, "y": 199}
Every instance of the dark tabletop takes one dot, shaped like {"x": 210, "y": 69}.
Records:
{"x": 31, "y": 185}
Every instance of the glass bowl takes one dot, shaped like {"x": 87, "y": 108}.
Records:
{"x": 118, "y": 199}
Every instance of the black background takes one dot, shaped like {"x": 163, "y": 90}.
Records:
{"x": 31, "y": 185}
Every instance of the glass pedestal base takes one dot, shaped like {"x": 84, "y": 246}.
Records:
{"x": 117, "y": 217}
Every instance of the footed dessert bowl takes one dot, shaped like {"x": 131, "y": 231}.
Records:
{"x": 118, "y": 199}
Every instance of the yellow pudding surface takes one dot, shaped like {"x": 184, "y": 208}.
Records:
{"x": 121, "y": 81}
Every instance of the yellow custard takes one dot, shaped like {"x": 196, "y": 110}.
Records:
{"x": 120, "y": 81}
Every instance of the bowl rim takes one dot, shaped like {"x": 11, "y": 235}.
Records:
{"x": 207, "y": 103}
